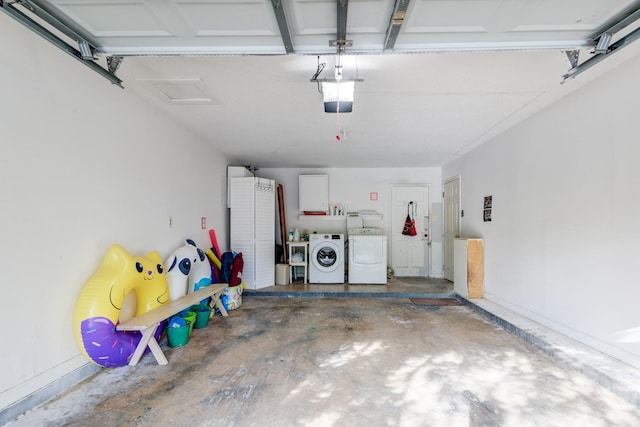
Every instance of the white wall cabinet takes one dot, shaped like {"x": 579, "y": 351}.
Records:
{"x": 252, "y": 228}
{"x": 313, "y": 193}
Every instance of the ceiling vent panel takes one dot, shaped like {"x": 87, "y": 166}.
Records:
{"x": 180, "y": 91}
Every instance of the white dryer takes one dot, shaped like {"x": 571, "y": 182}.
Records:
{"x": 326, "y": 258}
{"x": 367, "y": 256}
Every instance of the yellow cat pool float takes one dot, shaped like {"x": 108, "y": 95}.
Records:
{"x": 100, "y": 301}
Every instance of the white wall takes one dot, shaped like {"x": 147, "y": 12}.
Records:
{"x": 351, "y": 186}
{"x": 563, "y": 244}
{"x": 82, "y": 166}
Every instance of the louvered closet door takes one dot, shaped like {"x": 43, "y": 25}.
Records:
{"x": 265, "y": 219}
{"x": 242, "y": 202}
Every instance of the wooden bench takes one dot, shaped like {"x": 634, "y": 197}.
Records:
{"x": 148, "y": 322}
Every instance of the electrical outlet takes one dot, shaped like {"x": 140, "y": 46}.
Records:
{"x": 170, "y": 221}
{"x": 203, "y": 222}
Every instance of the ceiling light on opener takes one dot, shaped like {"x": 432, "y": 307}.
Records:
{"x": 338, "y": 96}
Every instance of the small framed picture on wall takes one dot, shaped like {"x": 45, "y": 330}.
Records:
{"x": 488, "y": 202}
{"x": 488, "y": 206}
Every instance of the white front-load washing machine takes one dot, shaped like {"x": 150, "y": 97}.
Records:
{"x": 326, "y": 258}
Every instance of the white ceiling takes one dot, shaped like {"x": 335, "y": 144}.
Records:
{"x": 460, "y": 72}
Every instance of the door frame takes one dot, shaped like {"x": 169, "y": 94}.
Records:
{"x": 426, "y": 269}
{"x": 445, "y": 223}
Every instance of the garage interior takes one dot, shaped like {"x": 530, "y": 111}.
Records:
{"x": 117, "y": 116}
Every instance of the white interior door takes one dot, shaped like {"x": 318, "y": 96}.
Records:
{"x": 409, "y": 254}
{"x": 451, "y": 206}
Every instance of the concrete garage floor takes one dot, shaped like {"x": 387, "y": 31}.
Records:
{"x": 300, "y": 361}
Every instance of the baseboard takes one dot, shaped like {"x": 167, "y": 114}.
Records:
{"x": 47, "y": 392}
{"x": 610, "y": 373}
